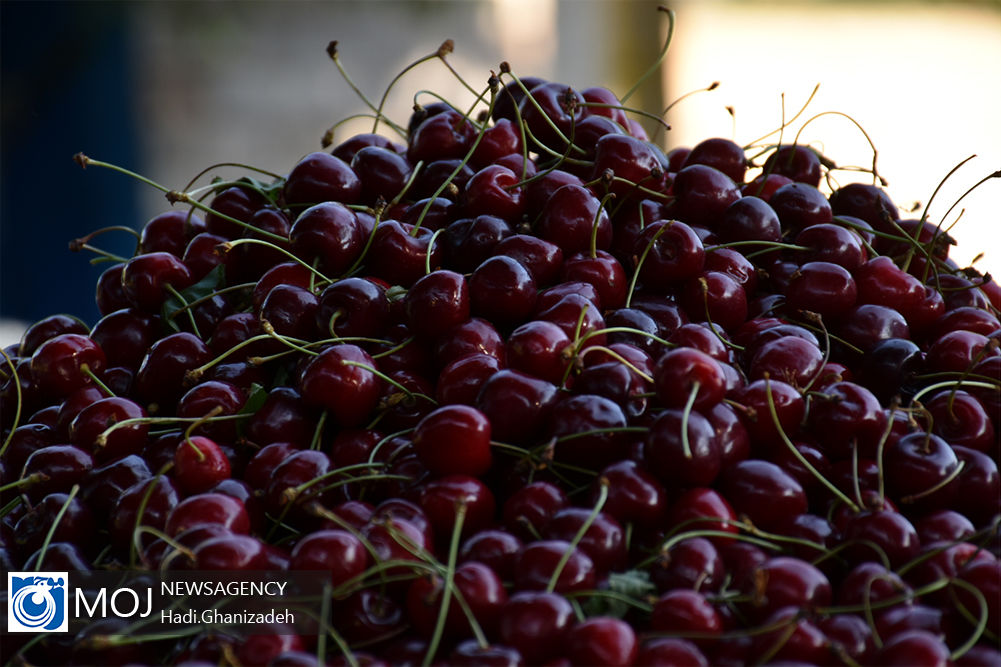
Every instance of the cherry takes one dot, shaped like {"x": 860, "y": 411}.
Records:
{"x": 721, "y": 154}
{"x": 76, "y": 524}
{"x": 160, "y": 379}
{"x": 443, "y": 136}
{"x": 321, "y": 177}
{"x": 717, "y": 297}
{"x": 602, "y": 640}
{"x": 960, "y": 419}
{"x": 980, "y": 483}
{"x": 793, "y": 639}
{"x": 352, "y": 307}
{"x": 574, "y": 220}
{"x": 702, "y": 194}
{"x": 501, "y": 139}
{"x": 957, "y": 351}
{"x": 670, "y": 651}
{"x": 693, "y": 563}
{"x": 763, "y": 492}
{"x": 758, "y": 399}
{"x": 283, "y": 417}
{"x": 587, "y": 430}
{"x": 442, "y": 497}
{"x": 539, "y": 348}
{"x": 603, "y": 271}
{"x": 400, "y": 252}
{"x": 828, "y": 242}
{"x": 124, "y": 336}
{"x": 327, "y": 236}
{"x": 527, "y": 511}
{"x": 702, "y": 508}
{"x": 62, "y": 364}
{"x": 208, "y": 508}
{"x": 890, "y": 366}
{"x": 109, "y": 292}
{"x": 213, "y": 398}
{"x": 537, "y": 563}
{"x": 579, "y": 318}
{"x": 494, "y": 190}
{"x": 673, "y": 253}
{"x": 686, "y": 375}
{"x": 481, "y": 589}
{"x": 337, "y": 551}
{"x": 54, "y": 469}
{"x": 148, "y": 502}
{"x": 679, "y": 460}
{"x": 383, "y": 172}
{"x": 494, "y": 548}
{"x": 510, "y": 96}
{"x": 541, "y": 258}
{"x": 886, "y": 533}
{"x": 686, "y": 612}
{"x": 103, "y": 486}
{"x": 467, "y": 242}
{"x": 474, "y": 336}
{"x": 516, "y": 404}
{"x": 536, "y": 623}
{"x": 749, "y": 218}
{"x": 286, "y": 273}
{"x": 341, "y": 380}
{"x": 46, "y": 328}
{"x": 783, "y": 581}
{"x": 791, "y": 359}
{"x": 846, "y": 415}
{"x": 460, "y": 380}
{"x": 822, "y": 287}
{"x": 200, "y": 464}
{"x": 87, "y": 427}
{"x": 170, "y": 232}
{"x": 290, "y": 311}
{"x": 633, "y": 163}
{"x": 800, "y": 205}
{"x": 147, "y": 279}
{"x": 437, "y": 302}
{"x": 798, "y": 162}
{"x": 914, "y": 647}
{"x": 603, "y": 541}
{"x": 550, "y": 110}
{"x": 917, "y": 464}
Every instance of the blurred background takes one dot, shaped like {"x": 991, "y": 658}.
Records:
{"x": 168, "y": 88}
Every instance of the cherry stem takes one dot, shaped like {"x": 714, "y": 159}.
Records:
{"x": 655, "y": 67}
{"x": 24, "y": 481}
{"x": 685, "y": 445}
{"x": 430, "y": 251}
{"x": 449, "y": 585}
{"x": 935, "y": 487}
{"x": 549, "y": 121}
{"x": 799, "y": 455}
{"x": 293, "y": 343}
{"x": 786, "y": 123}
{"x": 603, "y": 485}
{"x": 382, "y": 102}
{"x": 952, "y": 384}
{"x": 333, "y": 53}
{"x": 379, "y": 374}
{"x": 55, "y": 524}
{"x": 618, "y": 357}
{"x": 979, "y": 621}
{"x": 229, "y": 245}
{"x": 865, "y": 134}
{"x": 594, "y": 224}
{"x": 19, "y": 403}
{"x": 184, "y": 307}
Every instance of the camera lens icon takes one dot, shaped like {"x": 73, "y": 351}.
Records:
{"x": 36, "y": 601}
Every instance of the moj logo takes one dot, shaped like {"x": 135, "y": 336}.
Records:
{"x": 36, "y": 601}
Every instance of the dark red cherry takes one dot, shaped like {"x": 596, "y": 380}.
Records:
{"x": 686, "y": 612}
{"x": 799, "y": 205}
{"x": 571, "y": 218}
{"x": 537, "y": 563}
{"x": 749, "y": 218}
{"x": 454, "y": 439}
{"x": 147, "y": 279}
{"x": 341, "y": 380}
{"x": 602, "y": 640}
{"x": 125, "y": 335}
{"x": 822, "y": 287}
{"x": 327, "y": 236}
{"x": 832, "y": 243}
{"x": 603, "y": 541}
{"x": 284, "y": 417}
{"x": 670, "y": 252}
{"x": 633, "y": 164}
{"x": 685, "y": 375}
{"x": 527, "y": 511}
{"x": 88, "y": 426}
{"x": 383, "y": 172}
{"x": 785, "y": 581}
{"x": 796, "y": 161}
{"x": 603, "y": 271}
{"x": 588, "y": 431}
{"x": 716, "y": 297}
{"x": 494, "y": 190}
{"x": 109, "y": 293}
{"x": 436, "y": 303}
{"x": 763, "y": 491}
{"x": 200, "y": 464}
{"x": 502, "y": 291}
{"x": 208, "y": 508}
{"x": 703, "y": 508}
{"x": 541, "y": 258}
{"x": 290, "y": 311}
{"x": 670, "y": 651}
{"x": 703, "y": 194}
{"x": 443, "y": 136}
{"x": 539, "y": 348}
{"x": 494, "y": 548}
{"x": 337, "y": 551}
{"x": 549, "y": 112}
{"x": 722, "y": 154}
{"x": 510, "y": 96}
{"x": 480, "y": 588}
{"x": 914, "y": 647}
{"x": 321, "y": 177}
{"x": 61, "y": 364}
{"x": 536, "y": 624}
{"x": 352, "y": 307}
{"x": 161, "y": 377}
{"x": 678, "y": 461}
{"x": 399, "y": 252}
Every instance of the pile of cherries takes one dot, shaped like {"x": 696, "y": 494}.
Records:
{"x": 531, "y": 391}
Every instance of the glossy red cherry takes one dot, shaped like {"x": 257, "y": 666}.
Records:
{"x": 321, "y": 177}
{"x": 536, "y": 624}
{"x": 341, "y": 380}
{"x": 61, "y": 364}
{"x": 602, "y": 641}
{"x": 200, "y": 464}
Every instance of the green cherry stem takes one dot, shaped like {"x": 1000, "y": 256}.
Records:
{"x": 449, "y": 585}
{"x": 19, "y": 402}
{"x": 603, "y": 485}
{"x": 55, "y": 524}
{"x": 686, "y": 446}
{"x": 799, "y": 455}
{"x": 655, "y": 67}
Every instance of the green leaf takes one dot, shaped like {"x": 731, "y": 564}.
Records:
{"x": 633, "y": 584}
